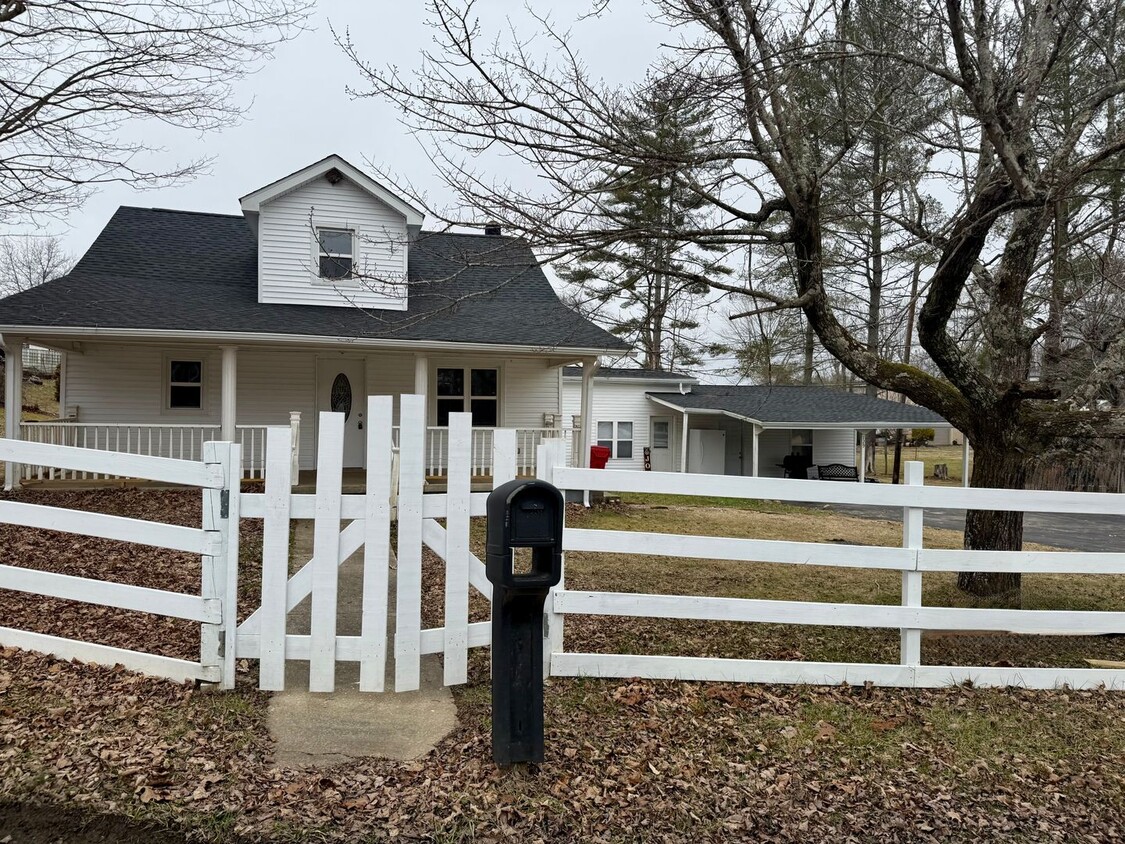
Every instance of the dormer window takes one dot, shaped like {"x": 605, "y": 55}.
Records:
{"x": 336, "y": 251}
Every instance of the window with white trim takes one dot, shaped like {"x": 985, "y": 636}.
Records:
{"x": 185, "y": 384}
{"x": 335, "y": 252}
{"x": 617, "y": 437}
{"x": 475, "y": 390}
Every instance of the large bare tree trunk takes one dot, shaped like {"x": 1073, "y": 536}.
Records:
{"x": 996, "y": 466}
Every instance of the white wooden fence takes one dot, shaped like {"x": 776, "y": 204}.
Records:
{"x": 394, "y": 491}
{"x": 216, "y": 473}
{"x": 912, "y": 560}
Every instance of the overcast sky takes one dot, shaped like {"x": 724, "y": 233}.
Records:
{"x": 300, "y": 111}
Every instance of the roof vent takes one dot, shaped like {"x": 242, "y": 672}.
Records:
{"x": 334, "y": 176}
{"x": 493, "y": 229}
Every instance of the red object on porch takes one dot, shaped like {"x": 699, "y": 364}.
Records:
{"x": 599, "y": 456}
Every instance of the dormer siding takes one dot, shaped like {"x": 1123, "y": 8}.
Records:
{"x": 288, "y": 254}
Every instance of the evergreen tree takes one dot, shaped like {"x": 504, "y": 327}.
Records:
{"x": 635, "y": 286}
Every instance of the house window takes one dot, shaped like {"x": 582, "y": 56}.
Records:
{"x": 185, "y": 384}
{"x": 475, "y": 390}
{"x": 335, "y": 251}
{"x": 617, "y": 437}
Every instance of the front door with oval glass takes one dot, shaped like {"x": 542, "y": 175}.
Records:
{"x": 660, "y": 441}
{"x": 341, "y": 388}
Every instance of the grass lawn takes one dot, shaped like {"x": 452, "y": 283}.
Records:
{"x": 40, "y": 396}
{"x": 626, "y": 760}
{"x": 930, "y": 455}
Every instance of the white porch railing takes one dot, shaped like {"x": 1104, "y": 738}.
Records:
{"x": 178, "y": 441}
{"x": 436, "y": 462}
{"x": 185, "y": 442}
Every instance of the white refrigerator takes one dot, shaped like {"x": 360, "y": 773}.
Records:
{"x": 707, "y": 452}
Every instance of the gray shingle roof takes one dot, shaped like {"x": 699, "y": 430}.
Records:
{"x": 186, "y": 271}
{"x": 813, "y": 405}
{"x": 639, "y": 374}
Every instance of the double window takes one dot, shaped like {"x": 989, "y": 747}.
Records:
{"x": 475, "y": 390}
{"x": 335, "y": 250}
{"x": 185, "y": 384}
{"x": 617, "y": 437}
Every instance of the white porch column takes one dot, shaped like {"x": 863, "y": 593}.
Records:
{"x": 228, "y": 416}
{"x": 863, "y": 457}
{"x": 13, "y": 400}
{"x": 964, "y": 461}
{"x": 589, "y": 369}
{"x": 754, "y": 451}
{"x": 421, "y": 375}
{"x": 683, "y": 444}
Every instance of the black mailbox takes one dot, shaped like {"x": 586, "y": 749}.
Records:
{"x": 521, "y": 514}
{"x": 525, "y": 514}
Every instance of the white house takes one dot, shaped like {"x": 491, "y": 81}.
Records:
{"x": 179, "y": 327}
{"x": 669, "y": 422}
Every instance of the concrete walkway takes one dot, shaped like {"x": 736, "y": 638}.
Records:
{"x": 328, "y": 729}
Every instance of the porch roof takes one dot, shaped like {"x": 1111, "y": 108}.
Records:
{"x": 800, "y": 407}
{"x": 188, "y": 272}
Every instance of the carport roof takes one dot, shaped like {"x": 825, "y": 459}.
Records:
{"x": 800, "y": 407}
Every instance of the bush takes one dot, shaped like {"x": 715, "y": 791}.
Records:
{"x": 921, "y": 436}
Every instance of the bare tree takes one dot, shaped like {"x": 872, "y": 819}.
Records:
{"x": 996, "y": 148}
{"x": 74, "y": 72}
{"x": 28, "y": 261}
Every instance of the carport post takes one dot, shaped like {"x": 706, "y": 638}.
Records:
{"x": 862, "y": 456}
{"x": 683, "y": 445}
{"x": 754, "y": 450}
{"x": 13, "y": 400}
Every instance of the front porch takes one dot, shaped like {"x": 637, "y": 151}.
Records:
{"x": 167, "y": 400}
{"x": 185, "y": 442}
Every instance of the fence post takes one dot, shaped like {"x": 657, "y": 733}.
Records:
{"x": 220, "y": 572}
{"x": 550, "y": 454}
{"x": 910, "y": 640}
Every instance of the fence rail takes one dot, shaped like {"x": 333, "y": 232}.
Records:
{"x": 911, "y": 617}
{"x": 216, "y": 541}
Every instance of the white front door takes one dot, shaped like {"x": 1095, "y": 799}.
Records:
{"x": 660, "y": 443}
{"x": 340, "y": 387}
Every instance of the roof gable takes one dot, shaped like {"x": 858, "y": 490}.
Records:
{"x": 252, "y": 202}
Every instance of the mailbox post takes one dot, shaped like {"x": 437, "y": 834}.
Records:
{"x": 521, "y": 514}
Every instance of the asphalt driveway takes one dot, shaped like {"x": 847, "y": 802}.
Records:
{"x": 1063, "y": 530}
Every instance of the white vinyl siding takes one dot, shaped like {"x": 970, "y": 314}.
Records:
{"x": 288, "y": 255}
{"x": 624, "y": 401}
{"x": 529, "y": 388}
{"x": 273, "y": 383}
{"x": 834, "y": 446}
{"x": 128, "y": 384}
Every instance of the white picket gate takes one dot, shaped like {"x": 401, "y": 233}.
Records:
{"x": 216, "y": 542}
{"x": 394, "y": 492}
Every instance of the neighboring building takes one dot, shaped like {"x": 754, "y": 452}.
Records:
{"x": 325, "y": 289}
{"x": 733, "y": 430}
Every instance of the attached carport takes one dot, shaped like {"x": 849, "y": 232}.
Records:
{"x": 791, "y": 420}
